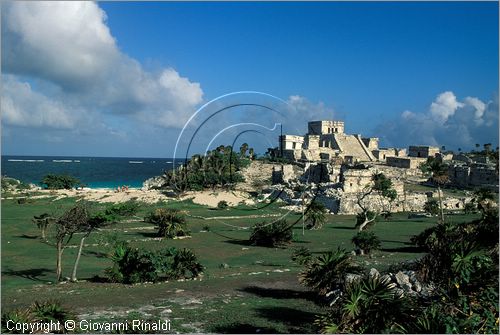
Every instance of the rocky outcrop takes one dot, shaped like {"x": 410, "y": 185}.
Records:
{"x": 154, "y": 183}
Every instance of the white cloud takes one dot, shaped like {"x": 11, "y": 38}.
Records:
{"x": 444, "y": 106}
{"x": 448, "y": 122}
{"x": 479, "y": 108}
{"x": 68, "y": 44}
{"x": 21, "y": 106}
{"x": 307, "y": 110}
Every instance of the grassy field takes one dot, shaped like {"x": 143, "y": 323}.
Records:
{"x": 256, "y": 290}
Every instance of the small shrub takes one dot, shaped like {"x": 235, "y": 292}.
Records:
{"x": 366, "y": 241}
{"x": 57, "y": 182}
{"x": 170, "y": 222}
{"x": 271, "y": 234}
{"x": 301, "y": 255}
{"x": 125, "y": 209}
{"x": 185, "y": 265}
{"x": 16, "y": 316}
{"x": 50, "y": 311}
{"x": 432, "y": 206}
{"x": 133, "y": 265}
{"x": 38, "y": 312}
{"x": 315, "y": 215}
{"x": 222, "y": 204}
{"x": 470, "y": 207}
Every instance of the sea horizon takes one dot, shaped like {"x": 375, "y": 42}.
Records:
{"x": 93, "y": 171}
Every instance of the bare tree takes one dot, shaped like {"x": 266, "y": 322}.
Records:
{"x": 42, "y": 222}
{"x": 67, "y": 225}
{"x": 382, "y": 188}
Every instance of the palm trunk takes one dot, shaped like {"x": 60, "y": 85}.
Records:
{"x": 73, "y": 275}
{"x": 440, "y": 204}
{"x": 59, "y": 261}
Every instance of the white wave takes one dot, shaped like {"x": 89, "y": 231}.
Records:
{"x": 62, "y": 161}
{"x": 26, "y": 160}
{"x": 135, "y": 162}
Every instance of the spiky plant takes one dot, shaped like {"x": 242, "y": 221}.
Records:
{"x": 315, "y": 215}
{"x": 327, "y": 272}
{"x": 185, "y": 262}
{"x": 170, "y": 222}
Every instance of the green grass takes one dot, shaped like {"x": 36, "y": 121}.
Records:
{"x": 259, "y": 289}
{"x": 448, "y": 192}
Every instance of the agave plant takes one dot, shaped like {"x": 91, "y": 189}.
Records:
{"x": 328, "y": 271}
{"x": 369, "y": 305}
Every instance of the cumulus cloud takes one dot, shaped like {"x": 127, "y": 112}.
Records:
{"x": 69, "y": 45}
{"x": 444, "y": 106}
{"x": 21, "y": 106}
{"x": 449, "y": 121}
{"x": 302, "y": 110}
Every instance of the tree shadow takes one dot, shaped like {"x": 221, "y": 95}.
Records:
{"x": 343, "y": 228}
{"x": 277, "y": 293}
{"x": 98, "y": 279}
{"x": 239, "y": 242}
{"x": 400, "y": 242}
{"x": 403, "y": 249}
{"x": 27, "y": 236}
{"x": 297, "y": 321}
{"x": 31, "y": 274}
{"x": 242, "y": 328}
{"x": 149, "y": 234}
{"x": 97, "y": 254}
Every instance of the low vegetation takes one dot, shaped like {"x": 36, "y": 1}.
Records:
{"x": 271, "y": 234}
{"x": 170, "y": 222}
{"x": 327, "y": 272}
{"x": 38, "y": 313}
{"x": 218, "y": 168}
{"x": 137, "y": 265}
{"x": 57, "y": 182}
{"x": 366, "y": 242}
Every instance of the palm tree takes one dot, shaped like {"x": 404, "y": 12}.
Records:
{"x": 439, "y": 175}
{"x": 315, "y": 215}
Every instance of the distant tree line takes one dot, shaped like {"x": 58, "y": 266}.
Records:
{"x": 218, "y": 168}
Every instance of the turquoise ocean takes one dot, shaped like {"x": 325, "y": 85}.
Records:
{"x": 94, "y": 172}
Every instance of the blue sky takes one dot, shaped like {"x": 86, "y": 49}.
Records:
{"x": 386, "y": 69}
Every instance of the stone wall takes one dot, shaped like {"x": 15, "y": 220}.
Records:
{"x": 371, "y": 142}
{"x": 405, "y": 162}
{"x": 473, "y": 175}
{"x": 291, "y": 142}
{"x": 325, "y": 127}
{"x": 422, "y": 151}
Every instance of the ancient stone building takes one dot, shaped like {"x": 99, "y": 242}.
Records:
{"x": 326, "y": 140}
{"x": 405, "y": 162}
{"x": 473, "y": 175}
{"x": 382, "y": 153}
{"x": 423, "y": 151}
